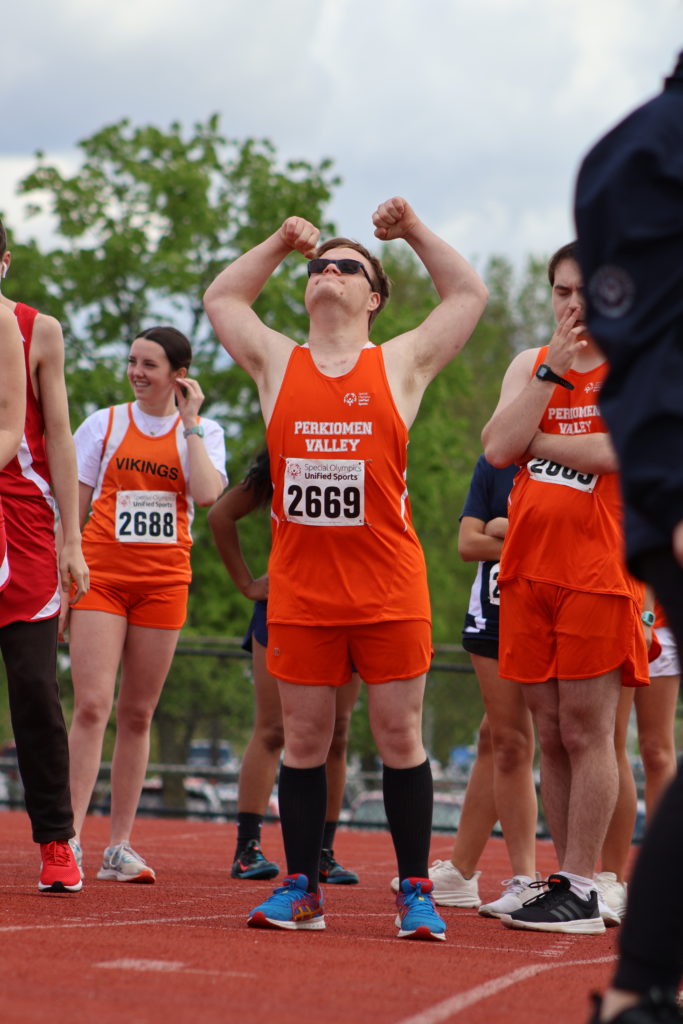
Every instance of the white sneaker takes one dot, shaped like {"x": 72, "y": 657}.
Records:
{"x": 611, "y": 897}
{"x": 516, "y": 891}
{"x": 450, "y": 888}
{"x": 122, "y": 864}
{"x": 78, "y": 854}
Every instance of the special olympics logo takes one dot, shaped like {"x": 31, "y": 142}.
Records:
{"x": 294, "y": 471}
{"x": 612, "y": 291}
{"x": 350, "y": 398}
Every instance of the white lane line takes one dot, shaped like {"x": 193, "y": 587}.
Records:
{"x": 168, "y": 965}
{"x": 451, "y": 1007}
{"x": 114, "y": 924}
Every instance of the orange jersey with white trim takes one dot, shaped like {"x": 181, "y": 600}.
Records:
{"x": 139, "y": 525}
{"x": 344, "y": 549}
{"x": 565, "y": 527}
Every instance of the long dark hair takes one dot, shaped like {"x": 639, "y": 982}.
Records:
{"x": 257, "y": 478}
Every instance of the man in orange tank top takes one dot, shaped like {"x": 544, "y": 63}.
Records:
{"x": 570, "y": 612}
{"x": 347, "y": 574}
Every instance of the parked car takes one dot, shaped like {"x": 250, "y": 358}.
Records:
{"x": 212, "y": 754}
{"x": 228, "y": 793}
{"x": 201, "y": 799}
{"x": 368, "y": 811}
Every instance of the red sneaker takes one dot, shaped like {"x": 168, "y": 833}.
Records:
{"x": 59, "y": 871}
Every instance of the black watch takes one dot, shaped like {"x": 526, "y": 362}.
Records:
{"x": 545, "y": 373}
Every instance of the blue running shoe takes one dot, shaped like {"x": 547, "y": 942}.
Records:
{"x": 252, "y": 864}
{"x": 417, "y": 917}
{"x": 290, "y": 906}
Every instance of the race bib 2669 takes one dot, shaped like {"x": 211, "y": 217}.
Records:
{"x": 325, "y": 492}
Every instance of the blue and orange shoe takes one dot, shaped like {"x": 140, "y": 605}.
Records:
{"x": 252, "y": 864}
{"x": 291, "y": 906}
{"x": 333, "y": 873}
{"x": 417, "y": 917}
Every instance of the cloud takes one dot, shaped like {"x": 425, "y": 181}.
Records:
{"x": 478, "y": 113}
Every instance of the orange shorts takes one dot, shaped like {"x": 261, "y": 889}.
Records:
{"x": 326, "y": 655}
{"x": 156, "y": 609}
{"x": 549, "y": 632}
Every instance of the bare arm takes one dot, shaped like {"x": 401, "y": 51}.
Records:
{"x": 84, "y": 499}
{"x": 523, "y": 398}
{"x": 222, "y": 518}
{"x": 205, "y": 483}
{"x": 414, "y": 359}
{"x": 47, "y": 350}
{"x": 12, "y": 387}
{"x": 587, "y": 453}
{"x": 262, "y": 352}
{"x": 475, "y": 544}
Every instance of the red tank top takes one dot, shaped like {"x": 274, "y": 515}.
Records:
{"x": 565, "y": 527}
{"x": 28, "y": 475}
{"x": 344, "y": 549}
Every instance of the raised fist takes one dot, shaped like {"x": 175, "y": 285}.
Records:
{"x": 300, "y": 235}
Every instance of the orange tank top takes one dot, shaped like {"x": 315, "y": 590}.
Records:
{"x": 565, "y": 527}
{"x": 344, "y": 550}
{"x": 139, "y": 526}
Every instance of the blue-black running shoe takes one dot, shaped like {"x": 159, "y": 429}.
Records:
{"x": 333, "y": 873}
{"x": 417, "y": 917}
{"x": 291, "y": 906}
{"x": 252, "y": 864}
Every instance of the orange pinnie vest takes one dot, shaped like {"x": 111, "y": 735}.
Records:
{"x": 565, "y": 527}
{"x": 139, "y": 526}
{"x": 344, "y": 550}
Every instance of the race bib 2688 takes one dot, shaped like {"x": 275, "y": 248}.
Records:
{"x": 146, "y": 517}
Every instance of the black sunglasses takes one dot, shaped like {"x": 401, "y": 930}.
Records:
{"x": 344, "y": 266}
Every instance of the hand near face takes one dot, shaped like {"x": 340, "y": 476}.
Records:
{"x": 567, "y": 341}
{"x": 394, "y": 218}
{"x": 300, "y": 235}
{"x": 189, "y": 396}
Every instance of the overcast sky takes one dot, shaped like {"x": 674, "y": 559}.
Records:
{"x": 476, "y": 110}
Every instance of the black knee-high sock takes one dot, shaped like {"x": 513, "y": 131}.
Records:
{"x": 408, "y": 801}
{"x": 302, "y": 795}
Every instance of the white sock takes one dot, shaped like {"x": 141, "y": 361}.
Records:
{"x": 580, "y": 886}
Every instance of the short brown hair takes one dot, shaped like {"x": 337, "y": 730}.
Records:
{"x": 381, "y": 281}
{"x": 3, "y": 240}
{"x": 567, "y": 252}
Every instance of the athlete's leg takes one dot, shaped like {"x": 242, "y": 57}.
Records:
{"x": 656, "y": 714}
{"x": 512, "y": 739}
{"x": 479, "y": 813}
{"x": 395, "y": 712}
{"x": 308, "y": 713}
{"x": 587, "y": 712}
{"x": 346, "y": 697}
{"x": 96, "y": 641}
{"x": 617, "y": 844}
{"x": 29, "y": 651}
{"x": 146, "y": 659}
{"x": 261, "y": 757}
{"x": 542, "y": 699}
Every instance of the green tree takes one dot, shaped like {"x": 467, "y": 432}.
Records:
{"x": 142, "y": 227}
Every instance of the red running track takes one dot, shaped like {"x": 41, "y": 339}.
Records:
{"x": 179, "y": 952}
